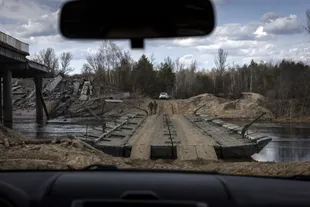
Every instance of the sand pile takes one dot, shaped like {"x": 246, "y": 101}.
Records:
{"x": 248, "y": 107}
{"x": 20, "y": 152}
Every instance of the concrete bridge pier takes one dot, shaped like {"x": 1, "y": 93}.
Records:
{"x": 1, "y": 105}
{"x": 14, "y": 63}
{"x": 7, "y": 99}
{"x": 7, "y": 106}
{"x": 39, "y": 104}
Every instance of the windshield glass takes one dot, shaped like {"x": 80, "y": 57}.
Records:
{"x": 238, "y": 103}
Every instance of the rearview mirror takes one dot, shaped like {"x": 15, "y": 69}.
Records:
{"x": 136, "y": 20}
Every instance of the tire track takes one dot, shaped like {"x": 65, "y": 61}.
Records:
{"x": 189, "y": 142}
{"x": 169, "y": 125}
{"x": 194, "y": 145}
{"x": 141, "y": 140}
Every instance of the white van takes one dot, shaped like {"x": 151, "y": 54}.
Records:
{"x": 163, "y": 95}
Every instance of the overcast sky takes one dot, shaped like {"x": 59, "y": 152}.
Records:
{"x": 247, "y": 29}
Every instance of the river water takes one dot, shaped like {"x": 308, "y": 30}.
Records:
{"x": 292, "y": 144}
{"x": 55, "y": 128}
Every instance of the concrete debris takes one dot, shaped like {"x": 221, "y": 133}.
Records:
{"x": 65, "y": 96}
{"x": 59, "y": 93}
{"x": 76, "y": 87}
{"x": 50, "y": 88}
{"x": 86, "y": 90}
{"x": 18, "y": 93}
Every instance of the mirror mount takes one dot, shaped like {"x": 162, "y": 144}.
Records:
{"x": 136, "y": 20}
{"x": 137, "y": 43}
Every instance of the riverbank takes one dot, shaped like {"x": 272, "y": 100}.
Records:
{"x": 295, "y": 120}
{"x": 20, "y": 152}
{"x": 79, "y": 160}
{"x": 248, "y": 107}
{"x": 280, "y": 120}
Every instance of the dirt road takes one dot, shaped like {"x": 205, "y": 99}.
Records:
{"x": 141, "y": 140}
{"x": 193, "y": 143}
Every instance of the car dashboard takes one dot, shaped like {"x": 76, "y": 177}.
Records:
{"x": 147, "y": 188}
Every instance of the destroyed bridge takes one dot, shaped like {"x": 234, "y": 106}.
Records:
{"x": 14, "y": 64}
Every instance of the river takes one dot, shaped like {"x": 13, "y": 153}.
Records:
{"x": 292, "y": 144}
{"x": 55, "y": 128}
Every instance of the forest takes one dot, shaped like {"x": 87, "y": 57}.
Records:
{"x": 285, "y": 84}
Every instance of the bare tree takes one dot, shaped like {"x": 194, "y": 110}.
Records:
{"x": 65, "y": 59}
{"x": 220, "y": 59}
{"x": 86, "y": 69}
{"x": 213, "y": 74}
{"x": 110, "y": 56}
{"x": 220, "y": 62}
{"x": 106, "y": 64}
{"x": 48, "y": 58}
{"x": 152, "y": 59}
{"x": 191, "y": 77}
{"x": 307, "y": 26}
{"x": 179, "y": 67}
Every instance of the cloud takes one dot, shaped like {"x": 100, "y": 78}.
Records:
{"x": 45, "y": 25}
{"x": 187, "y": 59}
{"x": 233, "y": 45}
{"x": 251, "y": 31}
{"x": 269, "y": 17}
{"x": 190, "y": 41}
{"x": 297, "y": 52}
{"x": 79, "y": 52}
{"x": 45, "y": 41}
{"x": 283, "y": 25}
{"x": 259, "y": 40}
{"x": 22, "y": 10}
{"x": 264, "y": 38}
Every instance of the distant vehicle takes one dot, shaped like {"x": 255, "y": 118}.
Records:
{"x": 163, "y": 95}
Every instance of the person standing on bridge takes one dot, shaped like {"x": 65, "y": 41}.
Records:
{"x": 151, "y": 105}
{"x": 155, "y": 107}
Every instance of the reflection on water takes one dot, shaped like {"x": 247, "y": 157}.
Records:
{"x": 55, "y": 129}
{"x": 292, "y": 144}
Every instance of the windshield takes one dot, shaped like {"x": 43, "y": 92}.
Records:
{"x": 239, "y": 99}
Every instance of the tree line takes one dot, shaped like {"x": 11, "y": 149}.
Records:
{"x": 56, "y": 64}
{"x": 111, "y": 66}
{"x": 285, "y": 82}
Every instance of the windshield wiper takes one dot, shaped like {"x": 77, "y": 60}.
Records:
{"x": 99, "y": 167}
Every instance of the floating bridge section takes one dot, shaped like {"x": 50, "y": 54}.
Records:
{"x": 229, "y": 142}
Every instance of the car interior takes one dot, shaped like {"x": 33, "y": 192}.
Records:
{"x": 109, "y": 186}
